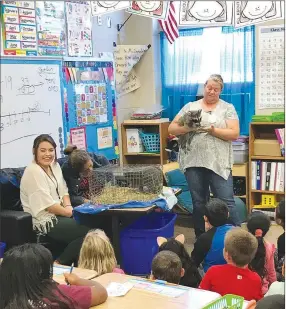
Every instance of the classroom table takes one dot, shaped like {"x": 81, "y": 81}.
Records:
{"x": 132, "y": 213}
{"x": 139, "y": 299}
{"x": 82, "y": 273}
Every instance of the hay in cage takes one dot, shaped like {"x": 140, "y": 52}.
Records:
{"x": 122, "y": 184}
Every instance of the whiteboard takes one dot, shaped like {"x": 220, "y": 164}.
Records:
{"x": 31, "y": 104}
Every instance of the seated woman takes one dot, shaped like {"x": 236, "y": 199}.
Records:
{"x": 76, "y": 171}
{"x": 26, "y": 282}
{"x": 44, "y": 195}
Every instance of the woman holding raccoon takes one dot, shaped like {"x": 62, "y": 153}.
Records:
{"x": 206, "y": 129}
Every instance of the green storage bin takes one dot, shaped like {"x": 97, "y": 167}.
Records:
{"x": 228, "y": 301}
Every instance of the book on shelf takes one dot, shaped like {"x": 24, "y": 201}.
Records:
{"x": 280, "y": 133}
{"x": 268, "y": 176}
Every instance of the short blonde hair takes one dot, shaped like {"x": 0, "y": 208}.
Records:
{"x": 241, "y": 246}
{"x": 97, "y": 253}
{"x": 216, "y": 78}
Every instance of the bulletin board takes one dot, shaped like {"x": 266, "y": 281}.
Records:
{"x": 89, "y": 102}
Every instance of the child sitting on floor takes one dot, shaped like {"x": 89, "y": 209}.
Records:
{"x": 277, "y": 287}
{"x": 280, "y": 252}
{"x": 26, "y": 281}
{"x": 167, "y": 266}
{"x": 97, "y": 254}
{"x": 192, "y": 276}
{"x": 258, "y": 225}
{"x": 235, "y": 278}
{"x": 269, "y": 302}
{"x": 209, "y": 246}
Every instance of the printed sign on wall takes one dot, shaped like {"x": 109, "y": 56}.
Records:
{"x": 79, "y": 28}
{"x": 51, "y": 28}
{"x": 153, "y": 9}
{"x": 103, "y": 7}
{"x": 19, "y": 28}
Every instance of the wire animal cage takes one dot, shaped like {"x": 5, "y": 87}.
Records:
{"x": 121, "y": 184}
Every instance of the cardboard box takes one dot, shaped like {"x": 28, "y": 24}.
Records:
{"x": 267, "y": 147}
{"x": 134, "y": 143}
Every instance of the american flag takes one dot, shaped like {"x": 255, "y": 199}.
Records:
{"x": 170, "y": 25}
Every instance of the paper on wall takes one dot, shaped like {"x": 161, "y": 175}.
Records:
{"x": 271, "y": 67}
{"x": 125, "y": 58}
{"x": 51, "y": 28}
{"x": 79, "y": 25}
{"x": 104, "y": 137}
{"x": 248, "y": 13}
{"x": 206, "y": 13}
{"x": 78, "y": 137}
{"x": 103, "y": 7}
{"x": 153, "y": 9}
{"x": 19, "y": 28}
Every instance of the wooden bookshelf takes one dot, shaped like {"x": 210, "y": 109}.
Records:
{"x": 153, "y": 126}
{"x": 262, "y": 130}
{"x": 241, "y": 171}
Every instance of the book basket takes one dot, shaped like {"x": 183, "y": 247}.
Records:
{"x": 151, "y": 141}
{"x": 226, "y": 302}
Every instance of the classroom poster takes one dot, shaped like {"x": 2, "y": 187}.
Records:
{"x": 104, "y": 7}
{"x": 78, "y": 137}
{"x": 78, "y": 16}
{"x": 19, "y": 28}
{"x": 206, "y": 13}
{"x": 104, "y": 137}
{"x": 91, "y": 103}
{"x": 248, "y": 13}
{"x": 153, "y": 9}
{"x": 51, "y": 28}
{"x": 271, "y": 67}
{"x": 125, "y": 58}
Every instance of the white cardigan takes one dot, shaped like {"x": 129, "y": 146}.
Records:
{"x": 38, "y": 192}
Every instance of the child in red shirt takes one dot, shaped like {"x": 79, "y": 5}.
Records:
{"x": 235, "y": 278}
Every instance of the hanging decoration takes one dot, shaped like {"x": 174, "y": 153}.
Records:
{"x": 153, "y": 9}
{"x": 206, "y": 13}
{"x": 248, "y": 13}
{"x": 104, "y": 7}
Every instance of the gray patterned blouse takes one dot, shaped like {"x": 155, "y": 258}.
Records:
{"x": 205, "y": 150}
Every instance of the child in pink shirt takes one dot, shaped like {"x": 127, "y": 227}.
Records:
{"x": 263, "y": 263}
{"x": 97, "y": 254}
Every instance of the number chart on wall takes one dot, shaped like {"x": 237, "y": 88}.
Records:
{"x": 271, "y": 68}
{"x": 31, "y": 104}
{"x": 89, "y": 102}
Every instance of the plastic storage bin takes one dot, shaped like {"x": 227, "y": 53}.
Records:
{"x": 138, "y": 242}
{"x": 2, "y": 249}
{"x": 226, "y": 302}
{"x": 240, "y": 156}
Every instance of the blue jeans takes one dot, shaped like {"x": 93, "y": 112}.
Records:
{"x": 200, "y": 180}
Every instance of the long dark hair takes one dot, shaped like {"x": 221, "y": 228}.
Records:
{"x": 26, "y": 280}
{"x": 258, "y": 224}
{"x": 77, "y": 157}
{"x": 43, "y": 138}
{"x": 192, "y": 277}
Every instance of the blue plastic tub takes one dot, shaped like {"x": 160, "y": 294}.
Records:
{"x": 138, "y": 242}
{"x": 2, "y": 249}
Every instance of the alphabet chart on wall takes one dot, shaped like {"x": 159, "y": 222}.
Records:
{"x": 271, "y": 67}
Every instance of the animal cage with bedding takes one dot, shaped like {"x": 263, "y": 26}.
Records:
{"x": 121, "y": 184}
